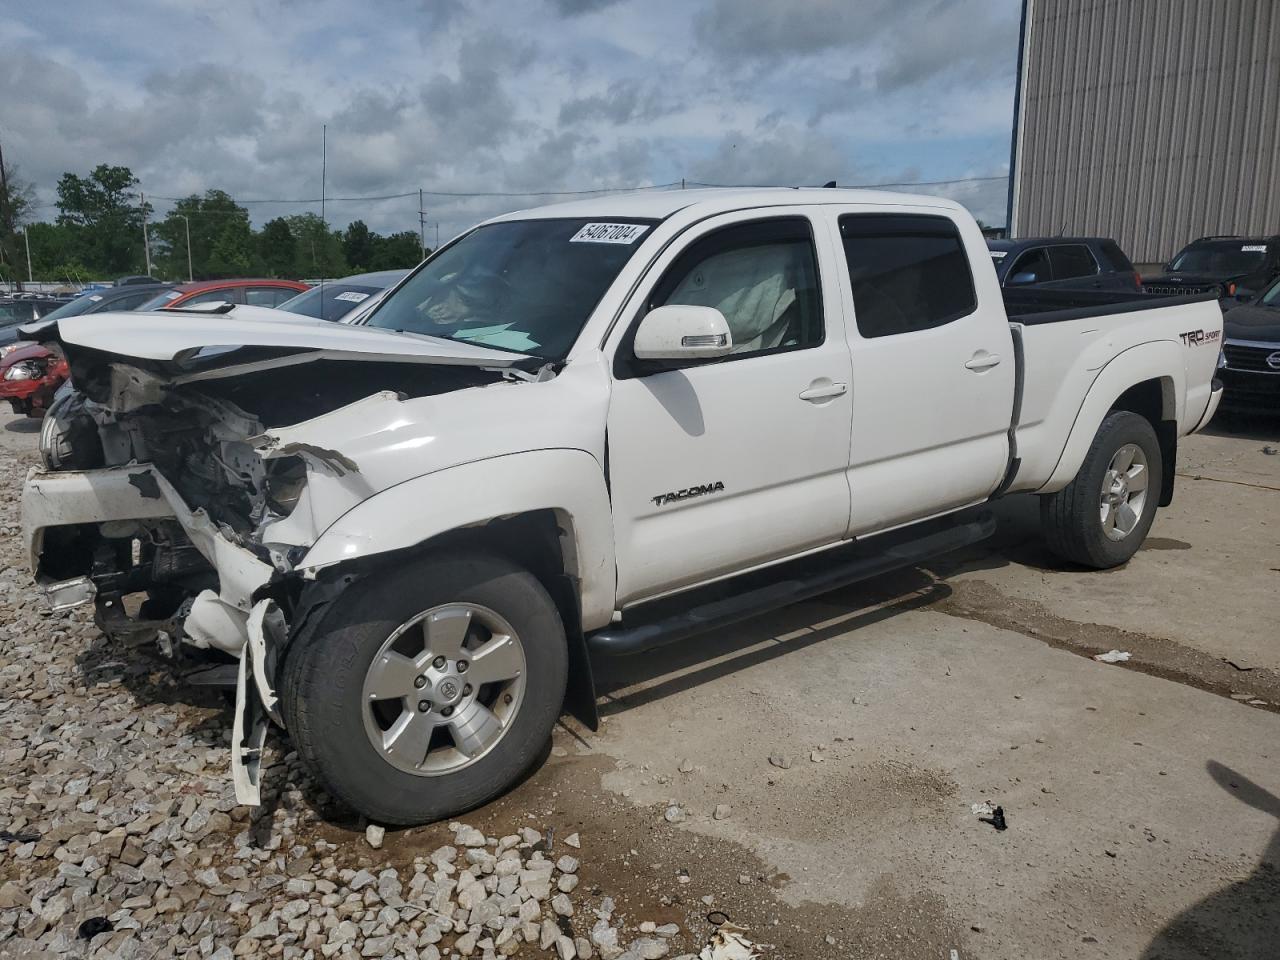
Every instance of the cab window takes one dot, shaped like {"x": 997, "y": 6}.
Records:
{"x": 907, "y": 272}
{"x": 763, "y": 276}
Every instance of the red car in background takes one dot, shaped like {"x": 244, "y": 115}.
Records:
{"x": 255, "y": 293}
{"x": 30, "y": 374}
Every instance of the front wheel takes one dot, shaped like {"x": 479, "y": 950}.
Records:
{"x": 1101, "y": 517}
{"x": 429, "y": 689}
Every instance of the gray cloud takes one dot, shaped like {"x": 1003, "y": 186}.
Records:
{"x": 486, "y": 96}
{"x": 903, "y": 44}
{"x": 624, "y": 101}
{"x": 775, "y": 154}
{"x": 575, "y": 8}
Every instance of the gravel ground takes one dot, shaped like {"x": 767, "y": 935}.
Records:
{"x": 122, "y": 837}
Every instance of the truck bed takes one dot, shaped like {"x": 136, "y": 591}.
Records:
{"x": 1068, "y": 340}
{"x": 1030, "y": 307}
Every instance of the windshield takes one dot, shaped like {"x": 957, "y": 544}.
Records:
{"x": 523, "y": 285}
{"x": 76, "y": 307}
{"x": 332, "y": 301}
{"x": 1221, "y": 259}
{"x": 161, "y": 301}
{"x": 1272, "y": 296}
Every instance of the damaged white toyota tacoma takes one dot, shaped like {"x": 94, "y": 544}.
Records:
{"x": 582, "y": 430}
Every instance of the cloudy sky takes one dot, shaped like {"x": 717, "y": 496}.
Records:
{"x": 476, "y": 96}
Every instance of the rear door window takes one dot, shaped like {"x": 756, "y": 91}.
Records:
{"x": 1072, "y": 260}
{"x": 908, "y": 272}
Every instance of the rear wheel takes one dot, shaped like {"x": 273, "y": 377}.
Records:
{"x": 1102, "y": 516}
{"x": 429, "y": 690}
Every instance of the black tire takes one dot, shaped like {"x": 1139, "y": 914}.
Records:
{"x": 1070, "y": 518}
{"x": 323, "y": 676}
{"x": 69, "y": 438}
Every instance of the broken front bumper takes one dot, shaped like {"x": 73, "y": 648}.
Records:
{"x": 230, "y": 619}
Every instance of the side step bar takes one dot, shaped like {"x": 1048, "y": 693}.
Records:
{"x": 621, "y": 640}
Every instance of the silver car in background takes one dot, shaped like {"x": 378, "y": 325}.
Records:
{"x": 337, "y": 299}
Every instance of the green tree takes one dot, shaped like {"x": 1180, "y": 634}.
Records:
{"x": 233, "y": 252}
{"x": 222, "y": 242}
{"x": 278, "y": 248}
{"x": 319, "y": 249}
{"x": 398, "y": 251}
{"x": 359, "y": 245}
{"x": 17, "y": 199}
{"x": 105, "y": 218}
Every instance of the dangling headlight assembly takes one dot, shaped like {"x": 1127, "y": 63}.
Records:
{"x": 285, "y": 480}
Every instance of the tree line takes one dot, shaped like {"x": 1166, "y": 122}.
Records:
{"x": 98, "y": 234}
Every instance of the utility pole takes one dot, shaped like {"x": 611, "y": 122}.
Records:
{"x": 146, "y": 240}
{"x": 187, "y": 222}
{"x": 26, "y": 239}
{"x": 437, "y": 247}
{"x": 324, "y": 172}
{"x": 422, "y": 226}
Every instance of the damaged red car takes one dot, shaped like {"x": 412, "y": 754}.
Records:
{"x": 29, "y": 376}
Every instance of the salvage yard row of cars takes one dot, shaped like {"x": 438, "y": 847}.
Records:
{"x": 406, "y": 536}
{"x": 31, "y": 373}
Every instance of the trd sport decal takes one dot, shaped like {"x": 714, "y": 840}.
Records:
{"x": 1196, "y": 338}
{"x": 701, "y": 490}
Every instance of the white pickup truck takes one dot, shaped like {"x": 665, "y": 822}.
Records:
{"x": 584, "y": 429}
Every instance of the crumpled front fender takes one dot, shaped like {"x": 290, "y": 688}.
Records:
{"x": 567, "y": 481}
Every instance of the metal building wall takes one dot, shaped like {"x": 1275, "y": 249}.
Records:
{"x": 1150, "y": 121}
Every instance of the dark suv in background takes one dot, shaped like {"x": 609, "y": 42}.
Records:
{"x": 1236, "y": 268}
{"x": 1250, "y": 363}
{"x": 1069, "y": 263}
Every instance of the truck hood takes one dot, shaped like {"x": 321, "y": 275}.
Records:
{"x": 255, "y": 338}
{"x": 1259, "y": 322}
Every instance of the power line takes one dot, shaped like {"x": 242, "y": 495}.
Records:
{"x": 548, "y": 193}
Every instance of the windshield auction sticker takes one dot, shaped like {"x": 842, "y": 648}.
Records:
{"x": 1254, "y": 248}
{"x": 609, "y": 233}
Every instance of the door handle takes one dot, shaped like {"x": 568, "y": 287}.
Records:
{"x": 984, "y": 362}
{"x": 820, "y": 391}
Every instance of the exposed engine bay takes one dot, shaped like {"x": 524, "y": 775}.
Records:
{"x": 169, "y": 501}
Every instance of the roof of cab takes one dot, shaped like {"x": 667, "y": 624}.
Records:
{"x": 660, "y": 204}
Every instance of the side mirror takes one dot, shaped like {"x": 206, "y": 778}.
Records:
{"x": 681, "y": 332}
{"x": 1020, "y": 278}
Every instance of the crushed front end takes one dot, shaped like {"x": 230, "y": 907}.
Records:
{"x": 149, "y": 510}
{"x": 180, "y": 497}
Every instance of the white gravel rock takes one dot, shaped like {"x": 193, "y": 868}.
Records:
{"x": 567, "y": 864}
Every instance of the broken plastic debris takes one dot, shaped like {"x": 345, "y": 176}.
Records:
{"x": 996, "y": 819}
{"x": 94, "y": 926}
{"x": 1113, "y": 656}
{"x": 728, "y": 943}
{"x": 983, "y": 809}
